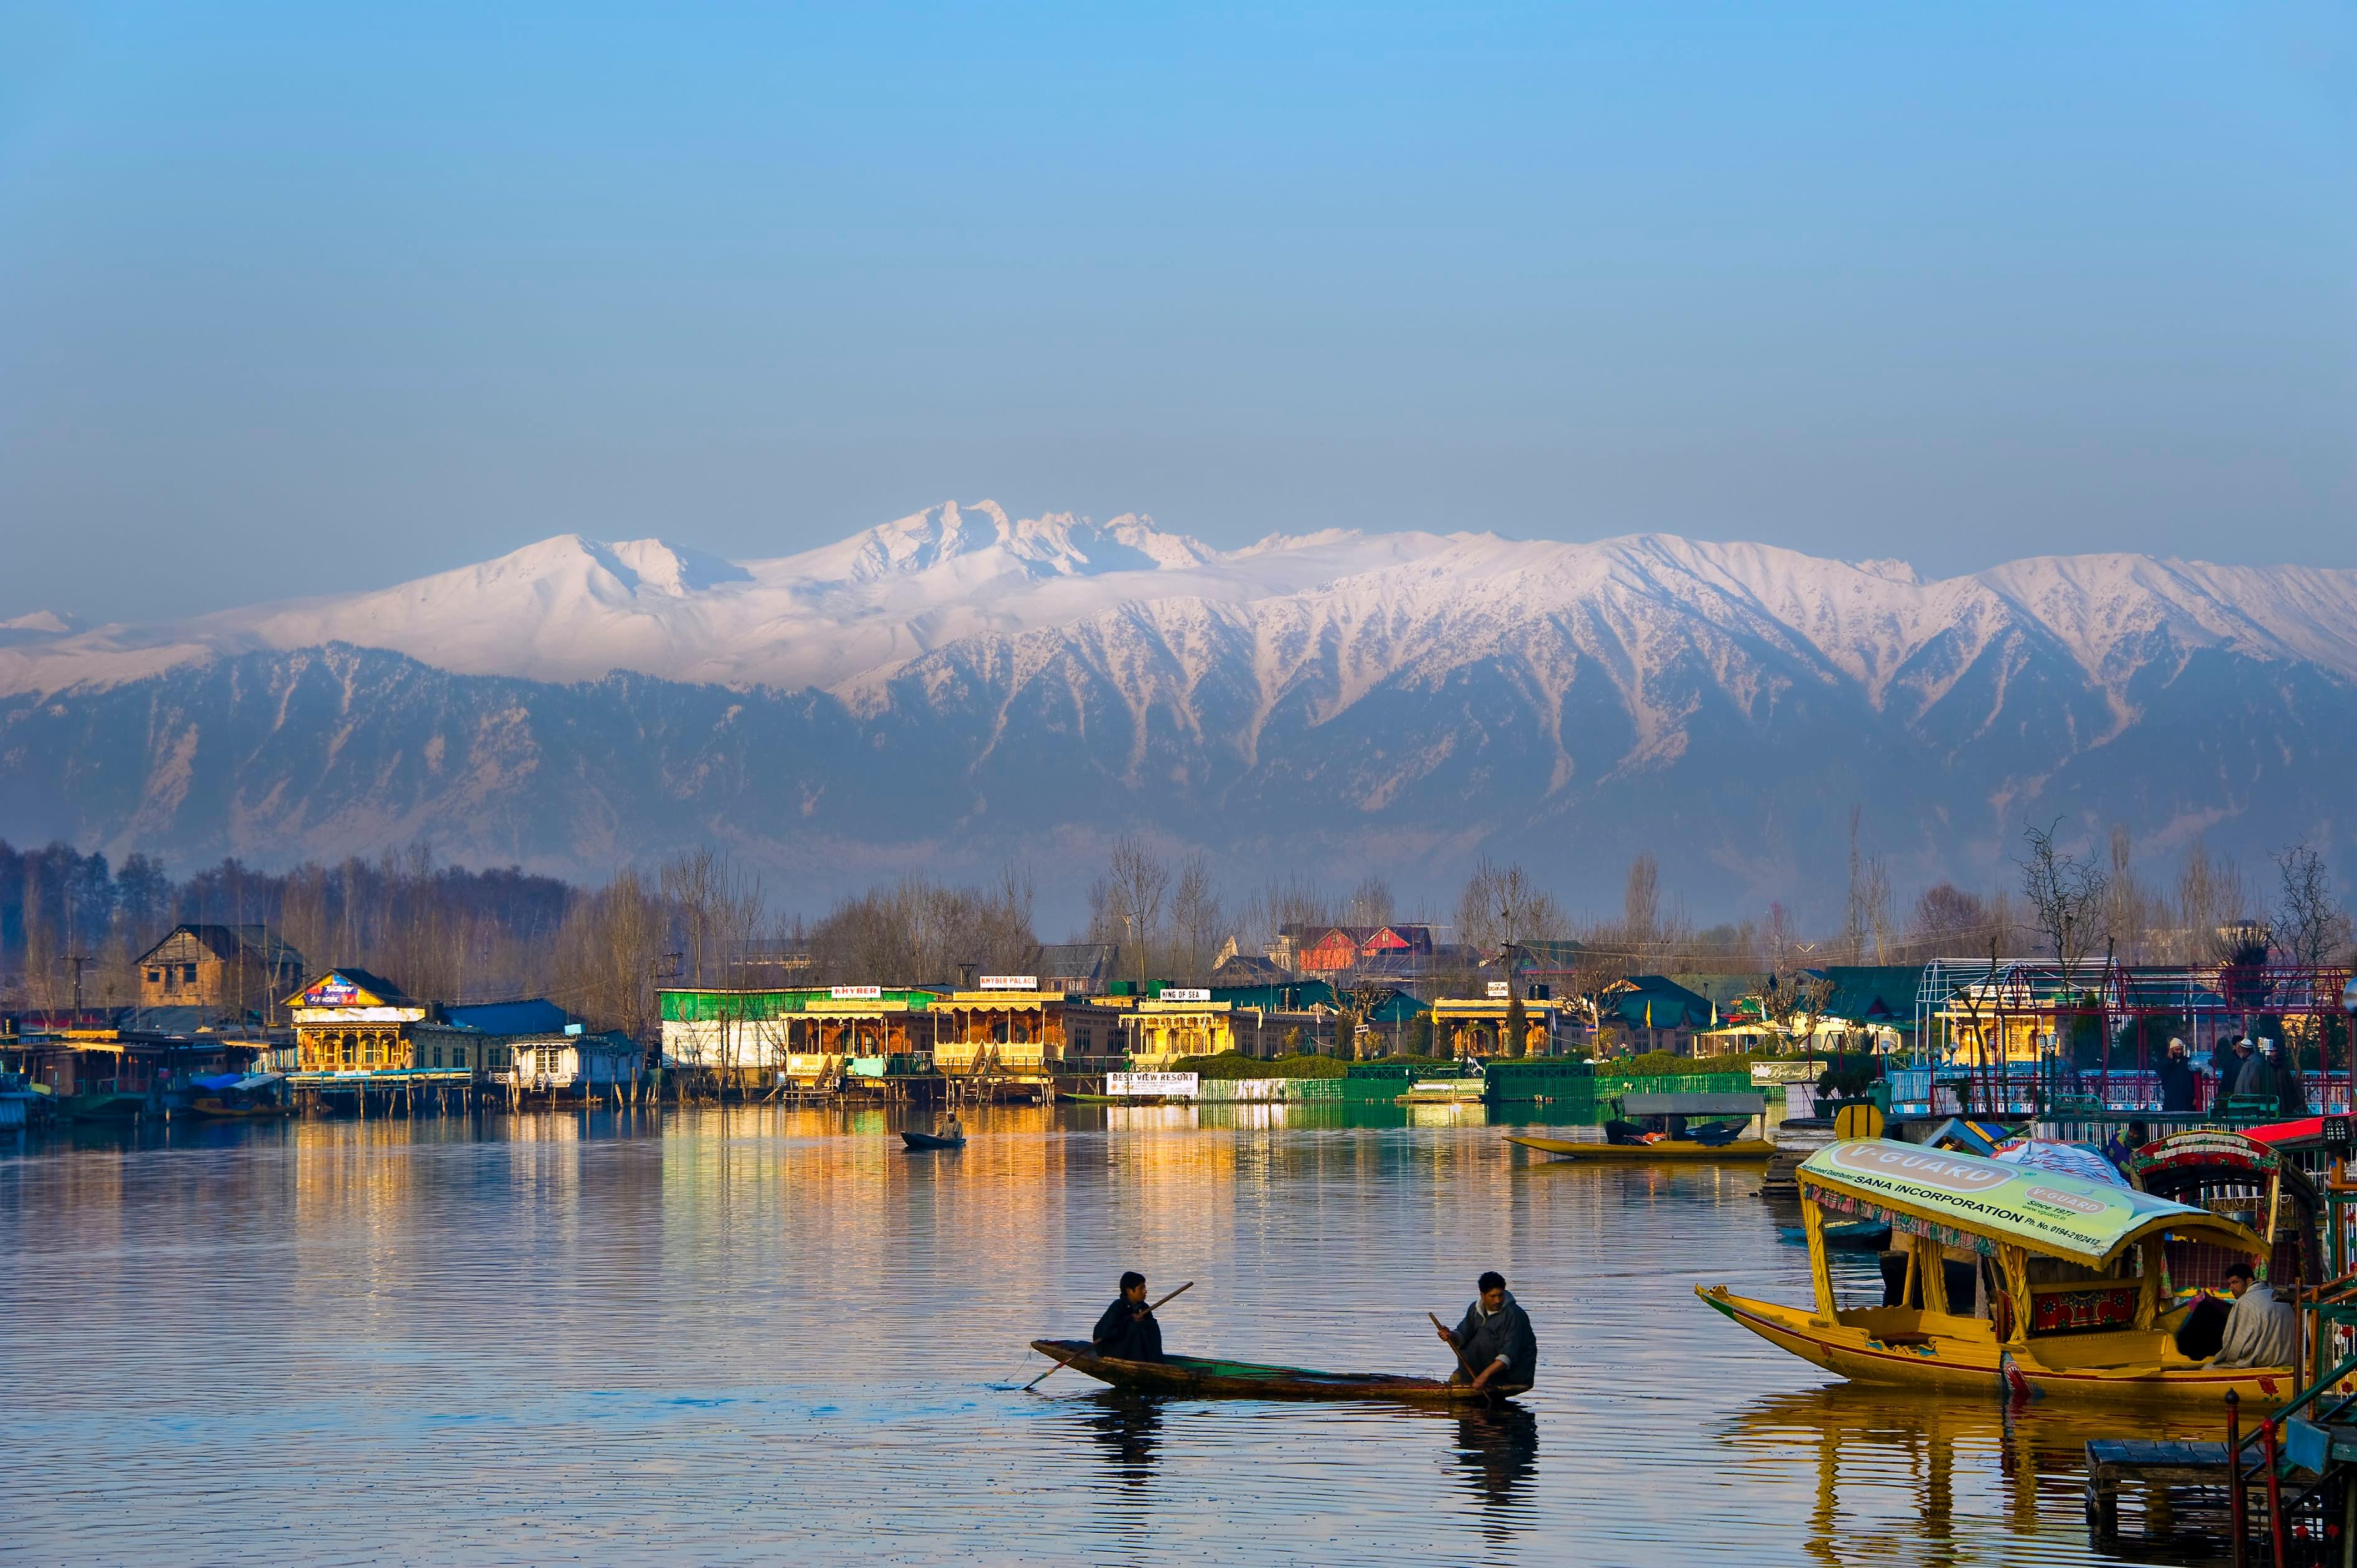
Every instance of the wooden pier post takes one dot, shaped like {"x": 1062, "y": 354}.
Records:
{"x": 2237, "y": 1523}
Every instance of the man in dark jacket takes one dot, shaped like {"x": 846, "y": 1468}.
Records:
{"x": 1128, "y": 1331}
{"x": 2252, "y": 1078}
{"x": 2179, "y": 1084}
{"x": 2283, "y": 1061}
{"x": 1495, "y": 1338}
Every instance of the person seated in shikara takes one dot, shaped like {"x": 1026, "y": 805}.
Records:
{"x": 1495, "y": 1339}
{"x": 1128, "y": 1331}
{"x": 2262, "y": 1330}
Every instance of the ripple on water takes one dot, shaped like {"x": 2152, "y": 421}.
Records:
{"x": 762, "y": 1333}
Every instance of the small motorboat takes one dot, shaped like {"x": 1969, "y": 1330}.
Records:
{"x": 1201, "y": 1378}
{"x": 929, "y": 1141}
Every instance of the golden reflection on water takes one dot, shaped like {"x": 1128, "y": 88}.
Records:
{"x": 770, "y": 1332}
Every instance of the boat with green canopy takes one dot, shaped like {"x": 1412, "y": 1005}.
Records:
{"x": 2069, "y": 1278}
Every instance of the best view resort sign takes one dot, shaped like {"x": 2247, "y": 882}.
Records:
{"x": 1151, "y": 1085}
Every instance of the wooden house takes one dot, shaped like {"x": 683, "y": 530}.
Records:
{"x": 349, "y": 1020}
{"x": 575, "y": 1064}
{"x": 999, "y": 1030}
{"x": 233, "y": 969}
{"x": 808, "y": 1034}
{"x": 1162, "y": 1030}
{"x": 1476, "y": 1026}
{"x": 1334, "y": 950}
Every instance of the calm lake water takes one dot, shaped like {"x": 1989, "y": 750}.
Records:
{"x": 769, "y": 1334}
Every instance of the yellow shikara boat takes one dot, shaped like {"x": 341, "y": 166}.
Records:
{"x": 1683, "y": 1149}
{"x": 2074, "y": 1272}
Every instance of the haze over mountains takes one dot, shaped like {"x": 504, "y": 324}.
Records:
{"x": 959, "y": 686}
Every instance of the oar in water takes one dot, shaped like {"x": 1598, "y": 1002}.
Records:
{"x": 1485, "y": 1390}
{"x": 1076, "y": 1355}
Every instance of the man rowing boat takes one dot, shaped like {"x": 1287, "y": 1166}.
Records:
{"x": 1495, "y": 1338}
{"x": 1128, "y": 1331}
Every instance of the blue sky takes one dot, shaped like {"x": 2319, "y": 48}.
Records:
{"x": 305, "y": 298}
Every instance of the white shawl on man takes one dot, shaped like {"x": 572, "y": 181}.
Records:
{"x": 2259, "y": 1331}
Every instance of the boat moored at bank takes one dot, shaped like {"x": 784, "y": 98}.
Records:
{"x": 2071, "y": 1291}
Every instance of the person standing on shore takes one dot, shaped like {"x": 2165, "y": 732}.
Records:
{"x": 2180, "y": 1084}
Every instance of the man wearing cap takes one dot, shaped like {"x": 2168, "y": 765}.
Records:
{"x": 2251, "y": 1075}
{"x": 2179, "y": 1084}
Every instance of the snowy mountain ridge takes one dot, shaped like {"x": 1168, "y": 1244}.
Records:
{"x": 961, "y": 685}
{"x": 846, "y": 616}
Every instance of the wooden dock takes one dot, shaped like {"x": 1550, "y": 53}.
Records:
{"x": 2163, "y": 1473}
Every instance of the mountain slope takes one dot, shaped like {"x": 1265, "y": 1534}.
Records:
{"x": 960, "y": 685}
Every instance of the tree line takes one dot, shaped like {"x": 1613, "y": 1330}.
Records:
{"x": 456, "y": 934}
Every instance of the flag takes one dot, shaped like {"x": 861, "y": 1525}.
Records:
{"x": 1649, "y": 1011}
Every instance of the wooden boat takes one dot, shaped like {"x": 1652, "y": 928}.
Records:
{"x": 2073, "y": 1271}
{"x": 931, "y": 1141}
{"x": 1842, "y": 1235}
{"x": 212, "y": 1107}
{"x": 1201, "y": 1378}
{"x": 1684, "y": 1150}
{"x": 2239, "y": 1175}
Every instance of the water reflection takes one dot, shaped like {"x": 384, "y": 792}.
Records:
{"x": 1912, "y": 1476}
{"x": 644, "y": 1311}
{"x": 1497, "y": 1454}
{"x": 1127, "y": 1430}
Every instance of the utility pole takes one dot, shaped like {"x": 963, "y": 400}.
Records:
{"x": 78, "y": 960}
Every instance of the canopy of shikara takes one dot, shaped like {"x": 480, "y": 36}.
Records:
{"x": 1970, "y": 1204}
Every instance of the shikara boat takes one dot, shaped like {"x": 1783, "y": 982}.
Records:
{"x": 2241, "y": 1177}
{"x": 1657, "y": 1127}
{"x": 1201, "y": 1378}
{"x": 2073, "y": 1274}
{"x": 232, "y": 1096}
{"x": 1668, "y": 1150}
{"x": 931, "y": 1141}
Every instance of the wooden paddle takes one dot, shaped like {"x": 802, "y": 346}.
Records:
{"x": 1076, "y": 1355}
{"x": 1485, "y": 1390}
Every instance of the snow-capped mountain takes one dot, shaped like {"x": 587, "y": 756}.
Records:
{"x": 963, "y": 683}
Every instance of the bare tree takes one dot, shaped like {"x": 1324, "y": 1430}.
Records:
{"x": 1136, "y": 882}
{"x": 1777, "y": 940}
{"x": 2066, "y": 893}
{"x": 718, "y": 906}
{"x": 2129, "y": 909}
{"x": 2310, "y": 925}
{"x": 1502, "y": 903}
{"x": 606, "y": 955}
{"x": 2212, "y": 902}
{"x": 1641, "y": 902}
{"x": 1195, "y": 916}
{"x": 1947, "y": 921}
{"x": 1370, "y": 903}
{"x": 1874, "y": 907}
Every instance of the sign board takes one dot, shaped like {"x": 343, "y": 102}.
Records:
{"x": 856, "y": 993}
{"x": 333, "y": 992}
{"x": 1168, "y": 1085}
{"x": 1185, "y": 993}
{"x": 1497, "y": 990}
{"x": 1010, "y": 983}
